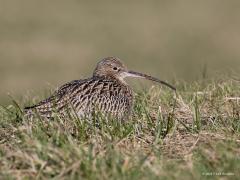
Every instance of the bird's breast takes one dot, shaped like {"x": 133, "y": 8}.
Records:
{"x": 107, "y": 96}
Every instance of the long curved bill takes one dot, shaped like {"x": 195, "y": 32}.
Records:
{"x": 141, "y": 75}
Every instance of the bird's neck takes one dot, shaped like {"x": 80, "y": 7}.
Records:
{"x": 119, "y": 80}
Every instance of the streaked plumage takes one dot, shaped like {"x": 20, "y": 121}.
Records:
{"x": 105, "y": 92}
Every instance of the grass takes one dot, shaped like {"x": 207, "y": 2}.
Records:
{"x": 192, "y": 135}
{"x": 186, "y": 40}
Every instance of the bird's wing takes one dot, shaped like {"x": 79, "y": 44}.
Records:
{"x": 56, "y": 101}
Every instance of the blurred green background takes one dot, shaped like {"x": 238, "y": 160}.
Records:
{"x": 46, "y": 43}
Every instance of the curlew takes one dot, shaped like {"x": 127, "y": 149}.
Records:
{"x": 106, "y": 92}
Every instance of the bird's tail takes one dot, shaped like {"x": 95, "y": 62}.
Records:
{"x": 28, "y": 112}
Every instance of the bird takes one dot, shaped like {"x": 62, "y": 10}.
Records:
{"x": 106, "y": 92}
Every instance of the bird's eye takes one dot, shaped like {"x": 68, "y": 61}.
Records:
{"x": 115, "y": 68}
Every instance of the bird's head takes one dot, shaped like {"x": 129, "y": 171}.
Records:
{"x": 112, "y": 67}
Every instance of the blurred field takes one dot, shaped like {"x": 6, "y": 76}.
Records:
{"x": 51, "y": 42}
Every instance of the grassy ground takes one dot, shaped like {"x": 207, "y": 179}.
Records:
{"x": 192, "y": 135}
